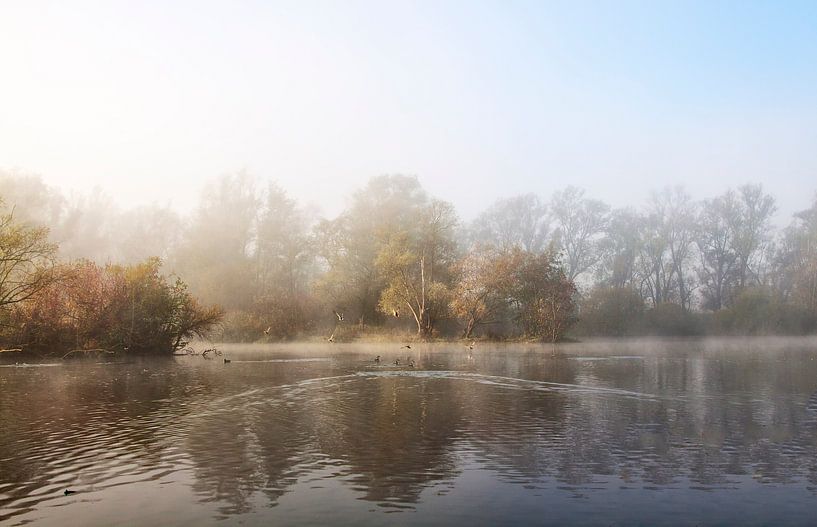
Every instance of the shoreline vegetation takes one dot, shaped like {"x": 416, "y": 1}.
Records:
{"x": 79, "y": 277}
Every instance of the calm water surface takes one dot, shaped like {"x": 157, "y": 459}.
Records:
{"x": 629, "y": 433}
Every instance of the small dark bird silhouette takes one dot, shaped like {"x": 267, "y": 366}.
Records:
{"x": 266, "y": 331}
{"x": 377, "y": 359}
{"x": 339, "y": 315}
{"x": 406, "y": 347}
{"x": 67, "y": 492}
{"x": 397, "y": 362}
{"x": 227, "y": 361}
{"x": 411, "y": 363}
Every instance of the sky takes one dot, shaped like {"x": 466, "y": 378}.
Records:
{"x": 480, "y": 100}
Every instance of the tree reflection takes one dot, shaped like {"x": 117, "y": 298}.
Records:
{"x": 249, "y": 434}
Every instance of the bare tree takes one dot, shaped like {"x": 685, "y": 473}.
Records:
{"x": 752, "y": 232}
{"x": 667, "y": 247}
{"x": 620, "y": 248}
{"x": 520, "y": 221}
{"x": 579, "y": 225}
{"x": 796, "y": 261}
{"x": 716, "y": 235}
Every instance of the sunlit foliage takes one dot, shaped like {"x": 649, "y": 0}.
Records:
{"x": 133, "y": 309}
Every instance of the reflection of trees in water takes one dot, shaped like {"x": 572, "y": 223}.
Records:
{"x": 223, "y": 450}
{"x": 95, "y": 422}
{"x": 716, "y": 421}
{"x": 715, "y": 418}
{"x": 389, "y": 438}
{"x": 395, "y": 434}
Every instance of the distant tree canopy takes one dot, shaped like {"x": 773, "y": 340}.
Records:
{"x": 398, "y": 259}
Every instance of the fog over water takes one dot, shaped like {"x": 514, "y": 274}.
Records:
{"x": 485, "y": 100}
{"x": 653, "y": 432}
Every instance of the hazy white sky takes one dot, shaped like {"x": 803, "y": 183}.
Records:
{"x": 479, "y": 99}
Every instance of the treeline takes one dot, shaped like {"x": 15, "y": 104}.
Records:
{"x": 50, "y": 306}
{"x": 397, "y": 259}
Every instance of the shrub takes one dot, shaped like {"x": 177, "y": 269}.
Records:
{"x": 115, "y": 308}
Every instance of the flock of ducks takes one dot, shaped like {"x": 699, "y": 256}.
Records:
{"x": 377, "y": 360}
{"x": 412, "y": 364}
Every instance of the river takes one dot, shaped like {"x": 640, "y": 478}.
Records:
{"x": 641, "y": 432}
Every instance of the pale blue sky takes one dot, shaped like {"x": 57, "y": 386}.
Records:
{"x": 479, "y": 99}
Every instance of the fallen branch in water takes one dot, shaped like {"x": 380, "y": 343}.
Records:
{"x": 93, "y": 350}
{"x": 190, "y": 352}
